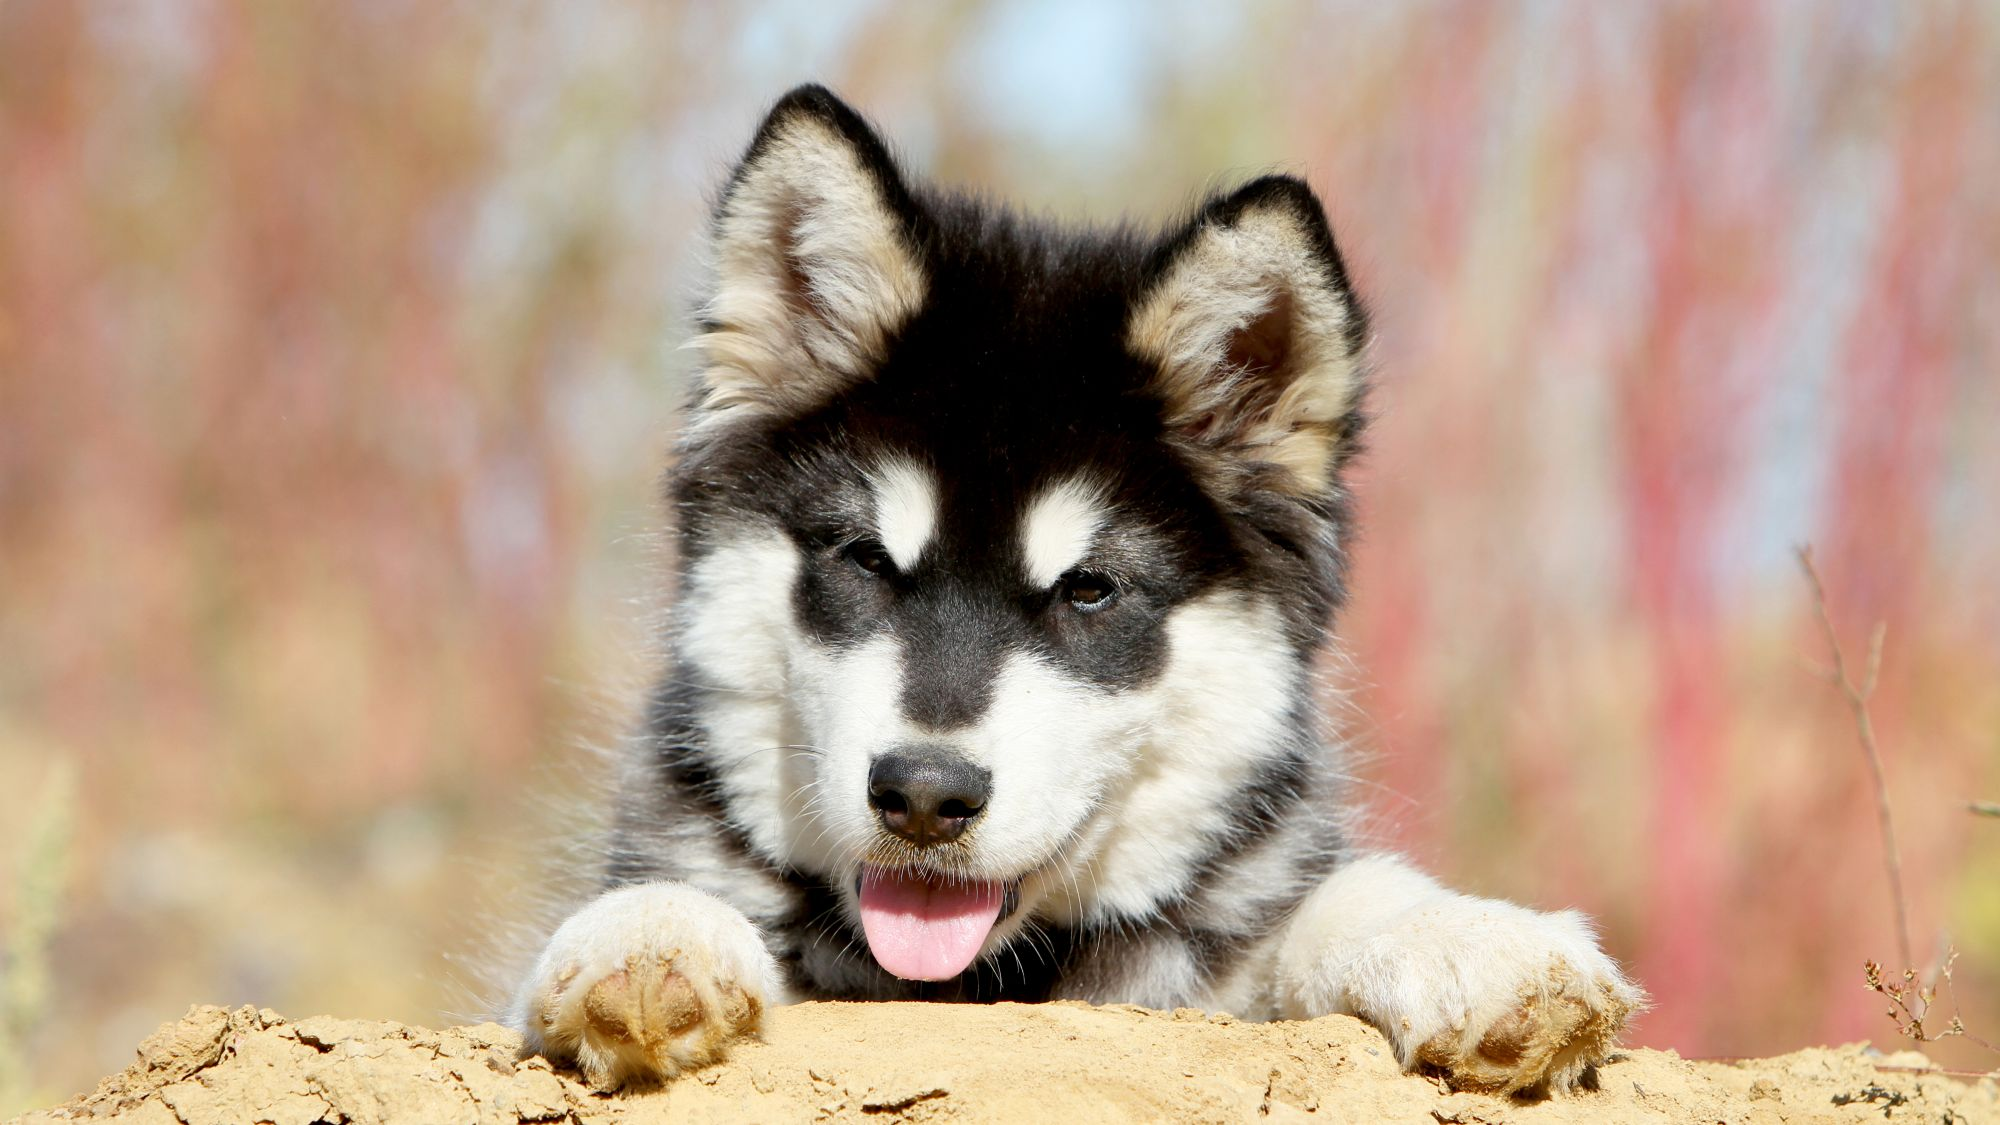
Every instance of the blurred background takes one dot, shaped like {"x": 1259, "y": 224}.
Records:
{"x": 337, "y": 366}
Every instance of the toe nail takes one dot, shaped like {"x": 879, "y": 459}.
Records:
{"x": 739, "y": 1009}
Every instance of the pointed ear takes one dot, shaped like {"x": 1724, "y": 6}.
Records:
{"x": 1256, "y": 335}
{"x": 814, "y": 263}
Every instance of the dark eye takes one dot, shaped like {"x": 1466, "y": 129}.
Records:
{"x": 1087, "y": 592}
{"x": 871, "y": 556}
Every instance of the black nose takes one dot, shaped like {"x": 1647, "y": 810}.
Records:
{"x": 927, "y": 794}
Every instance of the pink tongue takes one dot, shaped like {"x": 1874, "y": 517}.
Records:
{"x": 925, "y": 928}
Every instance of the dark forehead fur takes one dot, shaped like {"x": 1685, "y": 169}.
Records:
{"x": 1015, "y": 374}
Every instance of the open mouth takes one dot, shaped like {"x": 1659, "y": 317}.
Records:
{"x": 922, "y": 926}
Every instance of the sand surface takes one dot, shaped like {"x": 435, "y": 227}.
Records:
{"x": 937, "y": 1062}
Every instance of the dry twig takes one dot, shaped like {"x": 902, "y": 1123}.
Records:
{"x": 1910, "y": 1000}
{"x": 1857, "y": 701}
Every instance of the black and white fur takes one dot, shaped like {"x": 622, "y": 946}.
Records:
{"x": 1069, "y": 503}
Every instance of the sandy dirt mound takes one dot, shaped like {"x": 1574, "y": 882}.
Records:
{"x": 935, "y": 1062}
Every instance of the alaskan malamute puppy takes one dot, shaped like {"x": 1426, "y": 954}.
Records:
{"x": 1005, "y": 554}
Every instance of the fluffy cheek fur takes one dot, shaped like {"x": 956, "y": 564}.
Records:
{"x": 1218, "y": 713}
{"x": 737, "y": 635}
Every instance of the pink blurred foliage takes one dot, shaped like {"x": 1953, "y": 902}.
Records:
{"x": 237, "y": 337}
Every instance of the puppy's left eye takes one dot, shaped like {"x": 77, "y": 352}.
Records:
{"x": 870, "y": 555}
{"x": 1086, "y": 592}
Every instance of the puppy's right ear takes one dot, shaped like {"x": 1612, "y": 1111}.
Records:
{"x": 814, "y": 260}
{"x": 1256, "y": 334}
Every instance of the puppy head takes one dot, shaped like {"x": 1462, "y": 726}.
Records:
{"x": 1006, "y": 547}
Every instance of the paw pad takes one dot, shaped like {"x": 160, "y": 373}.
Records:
{"x": 645, "y": 1003}
{"x": 644, "y": 983}
{"x": 1552, "y": 1034}
{"x": 651, "y": 1018}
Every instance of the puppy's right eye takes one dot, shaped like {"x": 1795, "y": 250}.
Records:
{"x": 1087, "y": 592}
{"x": 870, "y": 555}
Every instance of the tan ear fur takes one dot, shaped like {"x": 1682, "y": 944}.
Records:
{"x": 812, "y": 275}
{"x": 1251, "y": 330}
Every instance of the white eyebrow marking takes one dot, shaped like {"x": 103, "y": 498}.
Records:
{"x": 906, "y": 508}
{"x": 1059, "y": 527}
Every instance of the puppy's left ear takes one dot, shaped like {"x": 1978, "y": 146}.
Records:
{"x": 1255, "y": 336}
{"x": 815, "y": 263}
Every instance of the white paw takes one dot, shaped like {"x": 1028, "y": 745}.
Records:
{"x": 646, "y": 982}
{"x": 1494, "y": 996}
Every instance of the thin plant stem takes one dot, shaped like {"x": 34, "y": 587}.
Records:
{"x": 1857, "y": 697}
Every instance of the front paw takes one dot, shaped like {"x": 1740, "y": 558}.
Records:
{"x": 1493, "y": 996}
{"x": 646, "y": 982}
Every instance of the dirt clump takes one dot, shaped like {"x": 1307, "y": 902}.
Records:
{"x": 947, "y": 1062}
